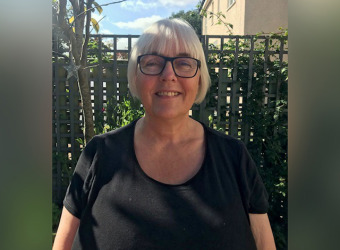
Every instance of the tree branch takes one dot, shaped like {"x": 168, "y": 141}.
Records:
{"x": 61, "y": 11}
{"x": 83, "y": 57}
{"x": 218, "y": 16}
{"x": 67, "y": 29}
{"x": 75, "y": 5}
{"x": 89, "y": 9}
{"x": 78, "y": 7}
{"x": 61, "y": 17}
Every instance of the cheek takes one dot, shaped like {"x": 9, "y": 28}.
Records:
{"x": 143, "y": 86}
{"x": 140, "y": 82}
{"x": 197, "y": 84}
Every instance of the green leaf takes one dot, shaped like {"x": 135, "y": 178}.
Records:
{"x": 98, "y": 7}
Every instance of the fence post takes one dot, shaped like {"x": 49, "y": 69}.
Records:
{"x": 246, "y": 127}
{"x": 235, "y": 86}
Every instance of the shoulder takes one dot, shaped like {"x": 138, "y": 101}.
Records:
{"x": 119, "y": 135}
{"x": 105, "y": 147}
{"x": 219, "y": 135}
{"x": 119, "y": 131}
{"x": 222, "y": 141}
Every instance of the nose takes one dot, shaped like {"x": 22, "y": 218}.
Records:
{"x": 168, "y": 73}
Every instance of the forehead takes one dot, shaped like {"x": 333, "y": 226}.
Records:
{"x": 168, "y": 46}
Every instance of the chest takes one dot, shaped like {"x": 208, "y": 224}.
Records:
{"x": 131, "y": 212}
{"x": 171, "y": 164}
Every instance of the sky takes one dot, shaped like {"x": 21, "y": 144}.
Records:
{"x": 133, "y": 16}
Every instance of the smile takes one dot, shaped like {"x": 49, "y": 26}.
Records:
{"x": 167, "y": 93}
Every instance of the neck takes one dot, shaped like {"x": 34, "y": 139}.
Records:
{"x": 169, "y": 130}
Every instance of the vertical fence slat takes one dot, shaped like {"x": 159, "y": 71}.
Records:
{"x": 115, "y": 38}
{"x": 203, "y": 105}
{"x": 72, "y": 124}
{"x": 234, "y": 98}
{"x": 57, "y": 124}
{"x": 265, "y": 66}
{"x": 220, "y": 91}
{"x": 100, "y": 76}
{"x": 246, "y": 132}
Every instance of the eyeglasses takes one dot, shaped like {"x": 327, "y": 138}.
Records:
{"x": 153, "y": 65}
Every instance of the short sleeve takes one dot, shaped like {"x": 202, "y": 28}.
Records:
{"x": 255, "y": 194}
{"x": 76, "y": 195}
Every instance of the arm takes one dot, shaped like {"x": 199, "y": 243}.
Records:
{"x": 262, "y": 231}
{"x": 67, "y": 229}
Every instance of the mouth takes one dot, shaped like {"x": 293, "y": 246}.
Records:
{"x": 167, "y": 93}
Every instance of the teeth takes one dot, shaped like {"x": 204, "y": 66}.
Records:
{"x": 167, "y": 93}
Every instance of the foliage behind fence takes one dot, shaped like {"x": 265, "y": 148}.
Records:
{"x": 247, "y": 100}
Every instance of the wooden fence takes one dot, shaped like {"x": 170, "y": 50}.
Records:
{"x": 222, "y": 107}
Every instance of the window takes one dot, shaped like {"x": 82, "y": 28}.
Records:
{"x": 230, "y": 3}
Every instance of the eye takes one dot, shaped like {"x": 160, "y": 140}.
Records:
{"x": 151, "y": 61}
{"x": 148, "y": 64}
{"x": 185, "y": 63}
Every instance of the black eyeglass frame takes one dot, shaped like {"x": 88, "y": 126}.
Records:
{"x": 169, "y": 59}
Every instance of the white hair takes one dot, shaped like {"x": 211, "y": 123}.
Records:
{"x": 165, "y": 37}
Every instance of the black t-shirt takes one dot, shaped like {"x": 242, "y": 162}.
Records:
{"x": 120, "y": 207}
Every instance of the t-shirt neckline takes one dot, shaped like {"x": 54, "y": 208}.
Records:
{"x": 150, "y": 179}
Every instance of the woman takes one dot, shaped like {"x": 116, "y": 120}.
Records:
{"x": 165, "y": 181}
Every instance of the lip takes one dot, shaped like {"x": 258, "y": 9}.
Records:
{"x": 167, "y": 93}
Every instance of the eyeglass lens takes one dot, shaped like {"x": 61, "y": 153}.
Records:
{"x": 154, "y": 65}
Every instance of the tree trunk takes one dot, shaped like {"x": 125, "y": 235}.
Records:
{"x": 85, "y": 95}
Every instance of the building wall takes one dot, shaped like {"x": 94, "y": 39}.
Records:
{"x": 234, "y": 15}
{"x": 247, "y": 16}
{"x": 265, "y": 16}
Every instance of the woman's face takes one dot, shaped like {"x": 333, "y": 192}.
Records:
{"x": 166, "y": 95}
